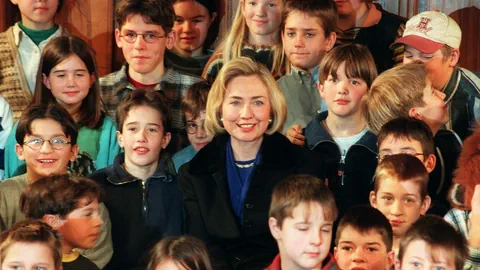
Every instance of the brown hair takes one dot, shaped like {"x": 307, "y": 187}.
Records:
{"x": 57, "y": 50}
{"x": 446, "y": 52}
{"x": 439, "y": 236}
{"x": 403, "y": 167}
{"x": 57, "y": 195}
{"x": 358, "y": 60}
{"x": 195, "y": 99}
{"x": 238, "y": 67}
{"x": 394, "y": 93}
{"x": 467, "y": 174}
{"x": 297, "y": 189}
{"x": 410, "y": 129}
{"x": 159, "y": 12}
{"x": 34, "y": 232}
{"x": 324, "y": 11}
{"x": 46, "y": 111}
{"x": 187, "y": 251}
{"x": 365, "y": 219}
{"x": 143, "y": 97}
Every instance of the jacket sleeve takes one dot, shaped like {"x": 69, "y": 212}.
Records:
{"x": 102, "y": 252}
{"x": 109, "y": 147}
{"x": 195, "y": 224}
{"x": 6, "y": 118}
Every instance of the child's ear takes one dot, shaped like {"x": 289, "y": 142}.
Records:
{"x": 453, "y": 59}
{"x": 166, "y": 139}
{"x": 390, "y": 259}
{"x": 92, "y": 79}
{"x": 320, "y": 89}
{"x": 330, "y": 41}
{"x": 119, "y": 138}
{"x": 46, "y": 81}
{"x": 170, "y": 40}
{"x": 19, "y": 151}
{"x": 425, "y": 205}
{"x": 274, "y": 228}
{"x": 373, "y": 199}
{"x": 54, "y": 221}
{"x": 15, "y": 2}
{"x": 335, "y": 253}
{"x": 74, "y": 152}
{"x": 212, "y": 18}
{"x": 430, "y": 162}
{"x": 414, "y": 113}
{"x": 118, "y": 38}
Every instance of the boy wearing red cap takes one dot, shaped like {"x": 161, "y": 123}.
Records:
{"x": 434, "y": 38}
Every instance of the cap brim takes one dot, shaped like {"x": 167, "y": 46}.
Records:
{"x": 422, "y": 44}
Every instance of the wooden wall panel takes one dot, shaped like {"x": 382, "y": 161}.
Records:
{"x": 92, "y": 21}
{"x": 469, "y": 21}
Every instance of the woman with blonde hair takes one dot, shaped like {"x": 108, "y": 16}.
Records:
{"x": 255, "y": 33}
{"x": 227, "y": 186}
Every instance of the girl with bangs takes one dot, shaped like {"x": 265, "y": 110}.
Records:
{"x": 255, "y": 33}
{"x": 341, "y": 133}
{"x": 67, "y": 75}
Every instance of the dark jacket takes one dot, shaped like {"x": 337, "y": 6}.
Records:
{"x": 210, "y": 215}
{"x": 463, "y": 99}
{"x": 351, "y": 180}
{"x": 447, "y": 149}
{"x": 141, "y": 213}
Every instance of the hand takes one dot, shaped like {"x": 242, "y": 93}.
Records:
{"x": 294, "y": 134}
{"x": 474, "y": 219}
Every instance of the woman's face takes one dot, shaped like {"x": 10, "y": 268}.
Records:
{"x": 246, "y": 109}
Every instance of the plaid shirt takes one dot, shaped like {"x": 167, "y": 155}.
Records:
{"x": 459, "y": 220}
{"x": 173, "y": 85}
{"x": 328, "y": 263}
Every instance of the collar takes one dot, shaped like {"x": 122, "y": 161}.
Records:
{"x": 301, "y": 75}
{"x": 315, "y": 133}
{"x": 257, "y": 48}
{"x": 117, "y": 175}
{"x": 451, "y": 87}
{"x": 121, "y": 76}
{"x": 18, "y": 34}
{"x": 276, "y": 151}
{"x": 70, "y": 257}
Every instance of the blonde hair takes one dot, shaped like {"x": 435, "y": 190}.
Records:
{"x": 244, "y": 66}
{"x": 394, "y": 93}
{"x": 232, "y": 44}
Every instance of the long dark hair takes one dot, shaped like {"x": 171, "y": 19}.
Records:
{"x": 56, "y": 51}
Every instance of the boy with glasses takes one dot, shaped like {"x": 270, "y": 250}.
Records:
{"x": 47, "y": 141}
{"x": 144, "y": 33}
{"x": 413, "y": 137}
{"x": 194, "y": 106}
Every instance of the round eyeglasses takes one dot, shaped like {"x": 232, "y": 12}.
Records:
{"x": 148, "y": 37}
{"x": 56, "y": 143}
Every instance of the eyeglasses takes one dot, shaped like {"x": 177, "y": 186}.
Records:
{"x": 410, "y": 152}
{"x": 56, "y": 143}
{"x": 148, "y": 37}
{"x": 192, "y": 127}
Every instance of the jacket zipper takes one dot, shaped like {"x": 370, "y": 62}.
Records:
{"x": 144, "y": 200}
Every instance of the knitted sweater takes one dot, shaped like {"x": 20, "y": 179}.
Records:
{"x": 13, "y": 83}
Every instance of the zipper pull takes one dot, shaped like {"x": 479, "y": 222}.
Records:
{"x": 341, "y": 168}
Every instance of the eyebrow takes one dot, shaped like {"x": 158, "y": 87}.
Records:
{"x": 64, "y": 70}
{"x": 254, "y": 97}
{"x": 136, "y": 123}
{"x": 304, "y": 29}
{"x": 53, "y": 136}
{"x": 196, "y": 17}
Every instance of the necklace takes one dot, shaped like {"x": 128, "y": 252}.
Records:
{"x": 244, "y": 166}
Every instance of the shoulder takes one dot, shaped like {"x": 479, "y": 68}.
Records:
{"x": 100, "y": 176}
{"x": 14, "y": 184}
{"x": 114, "y": 78}
{"x": 176, "y": 76}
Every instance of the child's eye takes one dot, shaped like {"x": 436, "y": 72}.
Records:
{"x": 197, "y": 21}
{"x": 309, "y": 35}
{"x": 347, "y": 248}
{"x": 334, "y": 79}
{"x": 303, "y": 228}
{"x": 252, "y": 3}
{"x": 356, "y": 82}
{"x": 371, "y": 249}
{"x": 326, "y": 230}
{"x": 179, "y": 21}
{"x": 439, "y": 268}
{"x": 271, "y": 5}
{"x": 387, "y": 198}
{"x": 427, "y": 57}
{"x": 60, "y": 75}
{"x": 416, "y": 265}
{"x": 80, "y": 74}
{"x": 290, "y": 34}
{"x": 132, "y": 129}
{"x": 152, "y": 130}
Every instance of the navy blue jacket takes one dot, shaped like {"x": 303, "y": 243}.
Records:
{"x": 141, "y": 213}
{"x": 352, "y": 179}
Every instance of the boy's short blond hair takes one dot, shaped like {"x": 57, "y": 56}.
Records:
{"x": 243, "y": 67}
{"x": 439, "y": 235}
{"x": 394, "y": 93}
{"x": 402, "y": 167}
{"x": 297, "y": 189}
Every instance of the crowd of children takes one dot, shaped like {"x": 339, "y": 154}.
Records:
{"x": 298, "y": 141}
